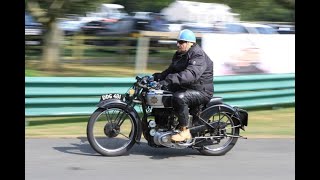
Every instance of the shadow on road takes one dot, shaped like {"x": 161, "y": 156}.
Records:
{"x": 84, "y": 148}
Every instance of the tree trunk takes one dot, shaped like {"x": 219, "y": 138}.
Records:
{"x": 51, "y": 49}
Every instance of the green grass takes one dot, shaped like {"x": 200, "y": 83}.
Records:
{"x": 271, "y": 123}
{"x": 91, "y": 70}
{"x": 277, "y": 123}
{"x": 33, "y": 73}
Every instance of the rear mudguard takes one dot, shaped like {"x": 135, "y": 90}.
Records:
{"x": 239, "y": 115}
{"x": 129, "y": 109}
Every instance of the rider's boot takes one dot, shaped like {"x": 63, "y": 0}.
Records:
{"x": 183, "y": 135}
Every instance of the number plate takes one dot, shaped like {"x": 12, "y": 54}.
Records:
{"x": 111, "y": 96}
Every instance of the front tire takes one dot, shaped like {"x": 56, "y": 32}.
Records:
{"x": 111, "y": 131}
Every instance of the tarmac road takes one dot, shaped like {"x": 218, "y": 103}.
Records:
{"x": 74, "y": 159}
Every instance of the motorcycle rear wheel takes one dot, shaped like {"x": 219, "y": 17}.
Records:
{"x": 105, "y": 136}
{"x": 221, "y": 145}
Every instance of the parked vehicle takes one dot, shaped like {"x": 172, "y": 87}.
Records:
{"x": 199, "y": 27}
{"x": 70, "y": 27}
{"x": 159, "y": 23}
{"x": 121, "y": 27}
{"x": 118, "y": 28}
{"x": 251, "y": 28}
{"x": 115, "y": 126}
{"x": 149, "y": 21}
{"x": 283, "y": 28}
{"x": 94, "y": 27}
{"x": 33, "y": 30}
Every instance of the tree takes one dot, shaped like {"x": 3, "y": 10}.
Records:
{"x": 290, "y": 4}
{"x": 260, "y": 10}
{"x": 47, "y": 12}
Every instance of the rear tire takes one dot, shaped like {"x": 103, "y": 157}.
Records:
{"x": 220, "y": 145}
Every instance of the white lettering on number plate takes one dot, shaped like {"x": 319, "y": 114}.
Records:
{"x": 111, "y": 96}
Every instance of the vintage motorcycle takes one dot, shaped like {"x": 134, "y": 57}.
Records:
{"x": 120, "y": 120}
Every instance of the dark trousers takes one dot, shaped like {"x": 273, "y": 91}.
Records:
{"x": 184, "y": 99}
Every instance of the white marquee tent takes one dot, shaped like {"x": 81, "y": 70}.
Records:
{"x": 189, "y": 11}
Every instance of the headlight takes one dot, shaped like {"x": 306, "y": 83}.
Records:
{"x": 131, "y": 92}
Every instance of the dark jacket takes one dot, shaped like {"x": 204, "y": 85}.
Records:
{"x": 190, "y": 70}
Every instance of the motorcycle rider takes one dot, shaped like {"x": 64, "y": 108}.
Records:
{"x": 189, "y": 77}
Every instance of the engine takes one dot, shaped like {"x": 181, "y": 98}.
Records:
{"x": 162, "y": 126}
{"x": 162, "y": 137}
{"x": 163, "y": 121}
{"x": 164, "y": 118}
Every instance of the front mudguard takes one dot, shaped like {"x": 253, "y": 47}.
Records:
{"x": 104, "y": 103}
{"x": 239, "y": 115}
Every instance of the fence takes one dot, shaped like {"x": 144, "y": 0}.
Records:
{"x": 140, "y": 49}
{"x": 71, "y": 96}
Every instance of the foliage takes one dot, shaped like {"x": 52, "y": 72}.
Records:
{"x": 252, "y": 10}
{"x": 143, "y": 5}
{"x": 261, "y": 10}
{"x": 47, "y": 10}
{"x": 290, "y": 4}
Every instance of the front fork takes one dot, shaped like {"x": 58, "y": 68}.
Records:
{"x": 120, "y": 117}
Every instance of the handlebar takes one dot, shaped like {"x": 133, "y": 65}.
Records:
{"x": 142, "y": 82}
{"x": 143, "y": 86}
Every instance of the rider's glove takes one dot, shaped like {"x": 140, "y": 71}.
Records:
{"x": 164, "y": 85}
{"x": 156, "y": 76}
{"x": 150, "y": 78}
{"x": 153, "y": 84}
{"x": 159, "y": 85}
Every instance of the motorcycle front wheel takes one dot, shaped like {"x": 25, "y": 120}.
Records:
{"x": 223, "y": 138}
{"x": 111, "y": 131}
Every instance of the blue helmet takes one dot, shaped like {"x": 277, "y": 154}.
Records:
{"x": 187, "y": 35}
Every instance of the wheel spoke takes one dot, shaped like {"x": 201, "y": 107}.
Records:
{"x": 124, "y": 135}
{"x": 109, "y": 117}
{"x": 121, "y": 119}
